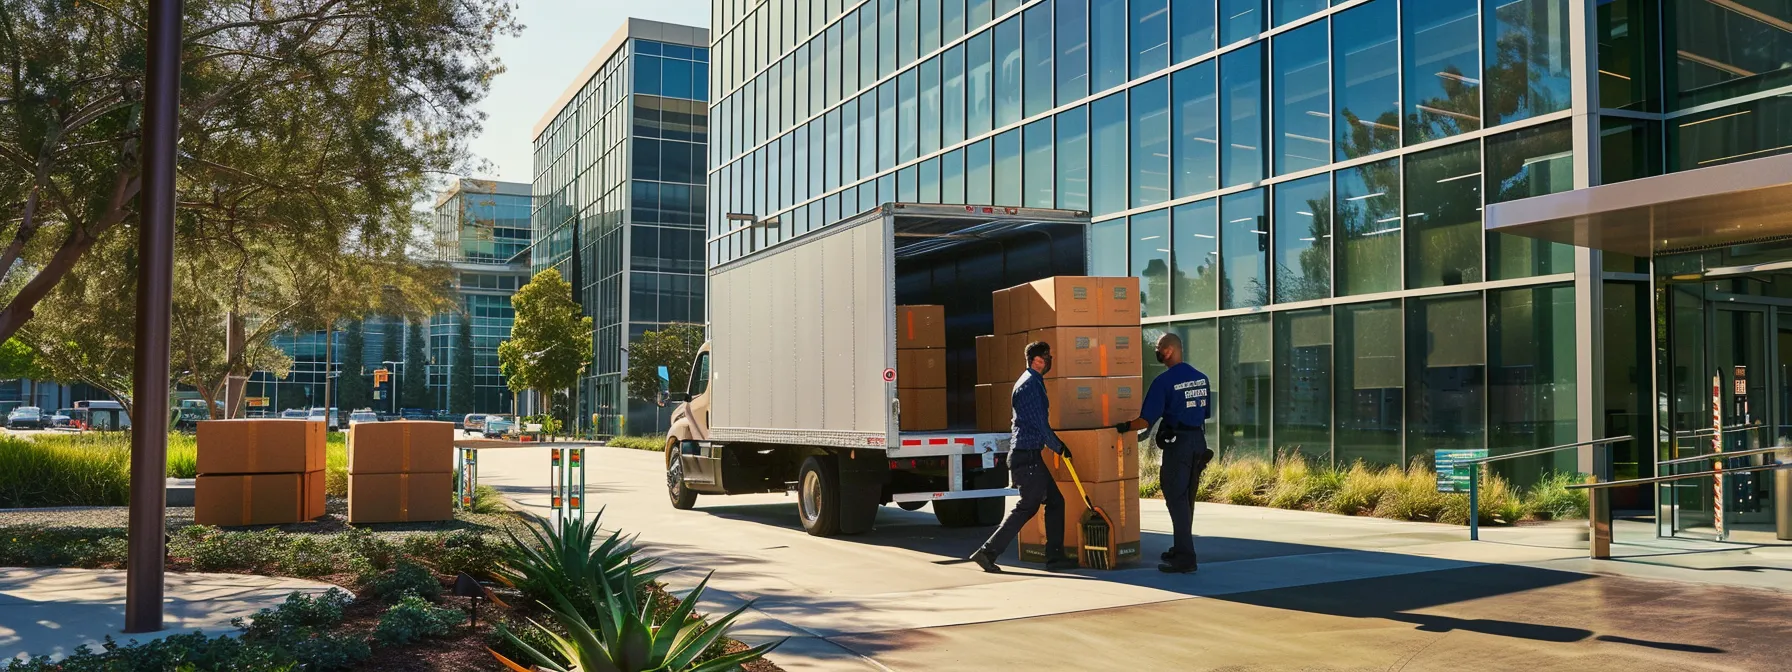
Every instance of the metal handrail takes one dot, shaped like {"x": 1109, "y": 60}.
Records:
{"x": 1474, "y": 476}
{"x": 1770, "y": 466}
{"x": 1691, "y": 433}
{"x": 1723, "y": 455}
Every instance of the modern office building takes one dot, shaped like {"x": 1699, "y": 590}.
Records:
{"x": 1301, "y": 186}
{"x": 620, "y": 201}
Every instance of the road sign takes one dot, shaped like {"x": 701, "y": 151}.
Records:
{"x": 380, "y": 376}
{"x": 257, "y": 402}
{"x": 1453, "y": 468}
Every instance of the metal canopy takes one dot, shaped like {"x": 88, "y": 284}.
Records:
{"x": 1737, "y": 203}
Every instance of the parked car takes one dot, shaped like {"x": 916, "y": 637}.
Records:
{"x": 363, "y": 415}
{"x": 495, "y": 426}
{"x": 258, "y": 414}
{"x": 329, "y": 417}
{"x": 25, "y": 416}
{"x": 473, "y": 422}
{"x": 63, "y": 417}
{"x": 295, "y": 414}
{"x": 414, "y": 414}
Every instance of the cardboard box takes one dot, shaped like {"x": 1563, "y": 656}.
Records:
{"x": 1100, "y": 455}
{"x": 1122, "y": 398}
{"x": 1001, "y": 407}
{"x": 920, "y": 327}
{"x": 400, "y": 498}
{"x": 1061, "y": 301}
{"x": 401, "y": 446}
{"x": 1001, "y": 312}
{"x": 921, "y": 368}
{"x": 985, "y": 405}
{"x": 986, "y": 359}
{"x": 1118, "y": 499}
{"x": 1010, "y": 356}
{"x": 260, "y": 446}
{"x": 1076, "y": 403}
{"x": 1125, "y": 351}
{"x": 258, "y": 499}
{"x": 1119, "y": 304}
{"x": 922, "y": 410}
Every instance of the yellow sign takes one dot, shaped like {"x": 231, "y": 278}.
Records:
{"x": 380, "y": 376}
{"x": 255, "y": 402}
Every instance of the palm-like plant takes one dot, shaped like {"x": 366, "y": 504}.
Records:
{"x": 567, "y": 557}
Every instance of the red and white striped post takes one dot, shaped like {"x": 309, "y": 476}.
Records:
{"x": 1717, "y": 448}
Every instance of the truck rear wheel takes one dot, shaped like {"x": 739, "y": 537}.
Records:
{"x": 683, "y": 498}
{"x": 980, "y": 512}
{"x": 818, "y": 496}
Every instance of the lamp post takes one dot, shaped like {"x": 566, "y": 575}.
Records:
{"x": 394, "y": 378}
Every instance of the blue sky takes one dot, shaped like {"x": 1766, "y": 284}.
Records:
{"x": 559, "y": 37}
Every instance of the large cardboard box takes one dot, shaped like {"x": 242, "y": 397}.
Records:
{"x": 1122, "y": 398}
{"x": 1001, "y": 311}
{"x": 922, "y": 410}
{"x": 1118, "y": 499}
{"x": 258, "y": 499}
{"x": 921, "y": 368}
{"x": 400, "y": 498}
{"x": 1076, "y": 403}
{"x": 260, "y": 446}
{"x": 1010, "y": 356}
{"x": 920, "y": 327}
{"x": 1060, "y": 301}
{"x": 1100, "y": 455}
{"x": 1124, "y": 351}
{"x": 1076, "y": 351}
{"x": 401, "y": 446}
{"x": 1119, "y": 304}
{"x": 986, "y": 359}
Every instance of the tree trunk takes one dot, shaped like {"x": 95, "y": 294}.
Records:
{"x": 329, "y": 354}
{"x": 233, "y": 358}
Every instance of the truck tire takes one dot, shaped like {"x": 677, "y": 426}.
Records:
{"x": 818, "y": 496}
{"x": 683, "y": 498}
{"x": 980, "y": 512}
{"x": 911, "y": 506}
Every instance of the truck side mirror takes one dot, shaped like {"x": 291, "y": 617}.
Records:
{"x": 678, "y": 397}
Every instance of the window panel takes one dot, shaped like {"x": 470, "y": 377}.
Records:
{"x": 1245, "y": 344}
{"x": 1150, "y": 261}
{"x": 1194, "y": 154}
{"x": 868, "y": 134}
{"x": 908, "y": 189}
{"x": 1107, "y": 44}
{"x": 952, "y": 96}
{"x": 1107, "y": 154}
{"x": 978, "y": 13}
{"x": 1727, "y": 48}
{"x": 1368, "y": 383}
{"x": 1240, "y": 20}
{"x": 908, "y": 135}
{"x": 1244, "y": 250}
{"x": 1527, "y": 58}
{"x": 951, "y": 20}
{"x": 1288, "y": 11}
{"x": 1366, "y": 78}
{"x": 952, "y": 178}
{"x": 1073, "y": 50}
{"x": 849, "y": 52}
{"x": 930, "y": 106}
{"x": 868, "y": 44}
{"x": 1441, "y": 42}
{"x": 1302, "y": 412}
{"x": 1303, "y": 239}
{"x": 1195, "y": 257}
{"x": 1535, "y": 161}
{"x": 1368, "y": 207}
{"x": 1241, "y": 105}
{"x": 1445, "y": 365}
{"x": 1150, "y": 149}
{"x": 930, "y": 26}
{"x": 930, "y": 180}
{"x": 849, "y": 142}
{"x": 1107, "y": 248}
{"x": 1038, "y": 169}
{"x": 886, "y": 125}
{"x": 979, "y": 82}
{"x": 1531, "y": 370}
{"x": 1192, "y": 29}
{"x": 977, "y": 177}
{"x": 1073, "y": 159}
{"x": 908, "y": 32}
{"x": 1039, "y": 58}
{"x": 1741, "y": 132}
{"x": 1008, "y": 72}
{"x": 1301, "y": 83}
{"x": 1443, "y": 206}
{"x": 888, "y": 45}
{"x": 1150, "y": 36}
{"x": 832, "y": 151}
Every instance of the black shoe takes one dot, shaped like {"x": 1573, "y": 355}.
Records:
{"x": 986, "y": 561}
{"x": 1174, "y": 567}
{"x": 1062, "y": 563}
{"x": 1168, "y": 555}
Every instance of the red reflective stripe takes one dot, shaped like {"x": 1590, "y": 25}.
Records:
{"x": 964, "y": 440}
{"x": 911, "y": 442}
{"x": 936, "y": 442}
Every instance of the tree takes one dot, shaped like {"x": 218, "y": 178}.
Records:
{"x": 415, "y": 387}
{"x": 460, "y": 380}
{"x": 318, "y": 118}
{"x": 352, "y": 389}
{"x": 391, "y": 350}
{"x": 673, "y": 347}
{"x": 550, "y": 341}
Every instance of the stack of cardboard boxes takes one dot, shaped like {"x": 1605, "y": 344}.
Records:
{"x": 400, "y": 471}
{"x": 1092, "y": 325}
{"x": 921, "y": 367}
{"x": 259, "y": 472}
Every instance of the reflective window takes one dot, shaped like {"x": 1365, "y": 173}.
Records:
{"x": 1008, "y": 72}
{"x": 1303, "y": 384}
{"x": 1150, "y": 148}
{"x": 849, "y": 142}
{"x": 800, "y": 87}
{"x": 1529, "y": 162}
{"x": 1240, "y": 19}
{"x": 980, "y": 11}
{"x": 1530, "y": 371}
{"x": 1038, "y": 176}
{"x": 1150, "y": 36}
{"x": 1245, "y": 343}
{"x": 1445, "y": 370}
{"x": 1039, "y": 58}
{"x": 1073, "y": 50}
{"x": 1195, "y": 256}
{"x": 1007, "y": 172}
{"x": 980, "y": 78}
{"x": 1366, "y": 79}
{"x": 1302, "y": 88}
{"x": 832, "y": 65}
{"x": 930, "y": 180}
{"x": 1368, "y": 207}
{"x": 908, "y": 32}
{"x": 952, "y": 96}
{"x": 1443, "y": 216}
{"x": 907, "y": 189}
{"x": 908, "y": 135}
{"x": 868, "y": 133}
{"x": 952, "y": 177}
{"x": 1288, "y": 11}
{"x": 1191, "y": 29}
{"x": 1527, "y": 58}
{"x": 930, "y": 106}
{"x": 1194, "y": 154}
{"x": 1107, "y": 44}
{"x": 930, "y": 26}
{"x": 1728, "y": 134}
{"x": 1369, "y": 383}
{"x": 1244, "y": 250}
{"x": 831, "y": 157}
{"x": 977, "y": 177}
{"x": 951, "y": 20}
{"x": 1303, "y": 239}
{"x": 849, "y": 52}
{"x": 1628, "y": 62}
{"x": 886, "y": 125}
{"x": 1628, "y": 149}
{"x": 1728, "y": 48}
{"x": 1073, "y": 159}
{"x": 868, "y": 44}
{"x": 1241, "y": 105}
{"x": 1443, "y": 68}
{"x": 1107, "y": 154}
{"x": 1151, "y": 261}
{"x": 1107, "y": 248}
{"x": 886, "y": 37}
{"x": 799, "y": 166}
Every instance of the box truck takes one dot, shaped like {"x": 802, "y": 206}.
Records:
{"x": 796, "y": 390}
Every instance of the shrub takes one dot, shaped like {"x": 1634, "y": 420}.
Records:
{"x": 214, "y": 550}
{"x": 305, "y": 555}
{"x": 566, "y": 559}
{"x": 487, "y": 500}
{"x": 1363, "y": 489}
{"x": 408, "y": 578}
{"x": 652, "y": 443}
{"x": 1414, "y": 495}
{"x": 515, "y": 640}
{"x": 1245, "y": 482}
{"x": 456, "y": 552}
{"x": 295, "y": 617}
{"x": 414, "y": 618}
{"x": 336, "y": 465}
{"x": 1294, "y": 483}
{"x": 638, "y": 638}
{"x": 328, "y": 651}
{"x": 91, "y": 469}
{"x": 1550, "y": 498}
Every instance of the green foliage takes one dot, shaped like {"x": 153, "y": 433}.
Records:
{"x": 296, "y": 617}
{"x": 306, "y": 555}
{"x": 649, "y": 443}
{"x": 213, "y": 550}
{"x": 18, "y": 360}
{"x": 454, "y": 552}
{"x": 550, "y": 341}
{"x": 415, "y": 388}
{"x": 414, "y": 618}
{"x": 460, "y": 374}
{"x": 354, "y": 388}
{"x": 33, "y": 546}
{"x": 1414, "y": 495}
{"x": 92, "y": 469}
{"x": 566, "y": 555}
{"x": 536, "y": 636}
{"x": 632, "y": 635}
{"x": 486, "y": 500}
{"x": 1550, "y": 498}
{"x": 407, "y": 578}
{"x": 675, "y": 347}
{"x": 336, "y": 464}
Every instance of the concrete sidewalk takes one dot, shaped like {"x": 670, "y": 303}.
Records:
{"x": 51, "y": 611}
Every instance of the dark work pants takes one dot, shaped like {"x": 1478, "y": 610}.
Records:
{"x": 1181, "y": 476}
{"x": 1036, "y": 487}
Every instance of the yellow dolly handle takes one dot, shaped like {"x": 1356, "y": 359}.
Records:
{"x": 1078, "y": 482}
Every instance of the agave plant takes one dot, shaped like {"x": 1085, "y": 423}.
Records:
{"x": 567, "y": 557}
{"x": 629, "y": 637}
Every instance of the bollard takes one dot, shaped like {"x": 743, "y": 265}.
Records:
{"x": 1474, "y": 503}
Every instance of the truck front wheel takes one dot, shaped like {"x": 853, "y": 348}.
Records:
{"x": 683, "y": 498}
{"x": 818, "y": 496}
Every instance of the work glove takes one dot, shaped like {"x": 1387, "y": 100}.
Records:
{"x": 1063, "y": 451}
{"x": 1123, "y": 426}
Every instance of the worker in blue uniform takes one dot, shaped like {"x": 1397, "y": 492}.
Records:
{"x": 1032, "y": 434}
{"x": 1178, "y": 404}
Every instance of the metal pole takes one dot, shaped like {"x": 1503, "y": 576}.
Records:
{"x": 155, "y": 278}
{"x": 1474, "y": 502}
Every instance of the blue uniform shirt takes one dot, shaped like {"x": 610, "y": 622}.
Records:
{"x": 1179, "y": 394}
{"x": 1032, "y": 430}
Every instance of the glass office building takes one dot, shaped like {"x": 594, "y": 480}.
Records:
{"x": 482, "y": 230}
{"x": 1300, "y": 185}
{"x": 619, "y": 202}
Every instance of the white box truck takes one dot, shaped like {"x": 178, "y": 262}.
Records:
{"x": 796, "y": 388}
